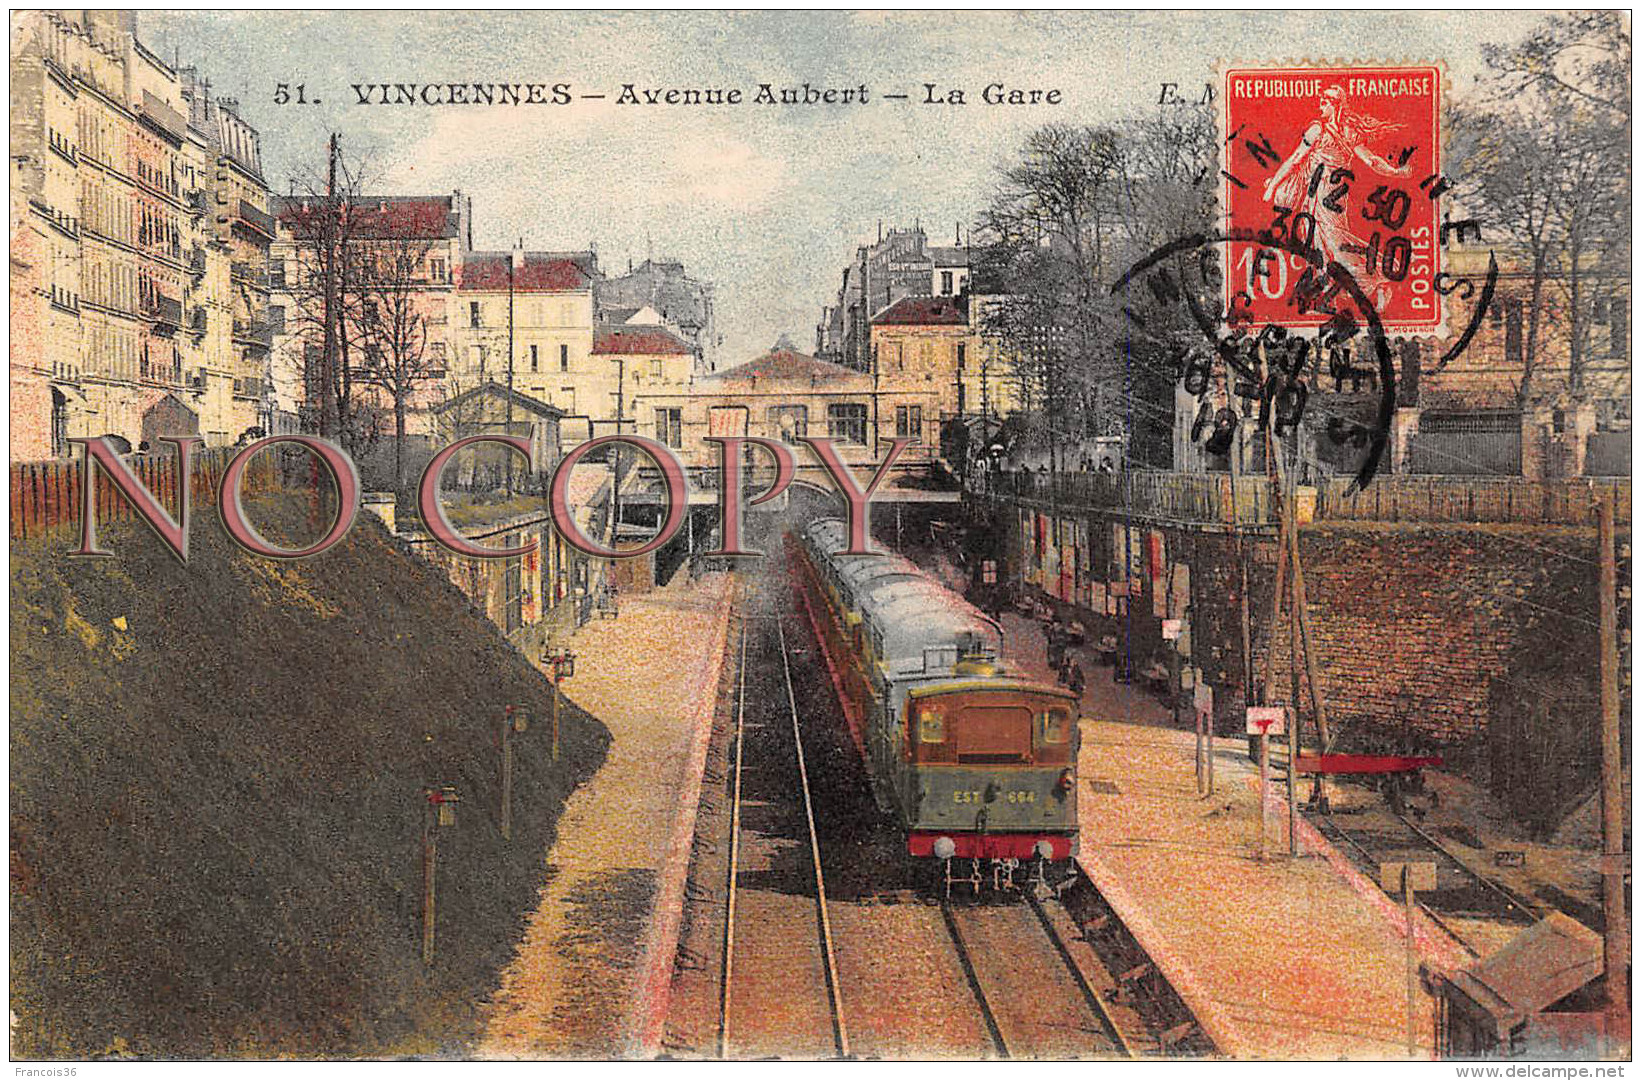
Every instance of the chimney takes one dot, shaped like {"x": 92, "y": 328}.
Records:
{"x": 518, "y": 256}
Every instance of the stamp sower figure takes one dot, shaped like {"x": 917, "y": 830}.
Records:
{"x": 1334, "y": 142}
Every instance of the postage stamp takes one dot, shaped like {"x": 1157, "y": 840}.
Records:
{"x": 1343, "y": 162}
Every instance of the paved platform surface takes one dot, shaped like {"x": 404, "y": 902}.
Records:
{"x": 599, "y": 932}
{"x": 1280, "y": 958}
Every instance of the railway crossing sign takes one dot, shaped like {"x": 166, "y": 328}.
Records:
{"x": 1267, "y": 720}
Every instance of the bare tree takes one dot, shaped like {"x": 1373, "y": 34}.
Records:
{"x": 1081, "y": 206}
{"x": 326, "y": 295}
{"x": 1044, "y": 239}
{"x": 1546, "y": 157}
{"x": 391, "y": 326}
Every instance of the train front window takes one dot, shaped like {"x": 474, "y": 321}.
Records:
{"x": 1055, "y": 725}
{"x": 931, "y": 727}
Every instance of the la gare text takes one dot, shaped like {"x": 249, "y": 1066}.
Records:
{"x": 100, "y": 455}
{"x": 997, "y": 93}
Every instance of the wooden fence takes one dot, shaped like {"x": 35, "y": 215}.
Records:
{"x": 1472, "y": 499}
{"x": 1205, "y": 498}
{"x": 49, "y": 495}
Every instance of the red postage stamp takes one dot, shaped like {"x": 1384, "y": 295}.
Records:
{"x": 1332, "y": 166}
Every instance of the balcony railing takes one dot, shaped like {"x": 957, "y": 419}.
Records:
{"x": 260, "y": 220}
{"x": 68, "y": 224}
{"x": 163, "y": 310}
{"x": 255, "y": 331}
{"x": 251, "y": 274}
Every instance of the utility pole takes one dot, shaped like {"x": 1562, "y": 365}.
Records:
{"x": 1290, "y": 514}
{"x": 514, "y": 258}
{"x": 1616, "y": 941}
{"x": 330, "y": 234}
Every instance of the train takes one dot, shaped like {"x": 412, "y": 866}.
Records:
{"x": 977, "y": 767}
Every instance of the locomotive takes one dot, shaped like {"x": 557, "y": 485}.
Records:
{"x": 975, "y": 765}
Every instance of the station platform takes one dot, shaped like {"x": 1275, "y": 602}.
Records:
{"x": 1278, "y": 958}
{"x": 590, "y": 973}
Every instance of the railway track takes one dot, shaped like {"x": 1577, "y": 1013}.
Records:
{"x": 1035, "y": 998}
{"x": 769, "y": 1001}
{"x": 1463, "y": 898}
{"x": 809, "y": 935}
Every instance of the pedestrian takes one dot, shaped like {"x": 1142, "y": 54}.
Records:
{"x": 1056, "y": 644}
{"x": 1074, "y": 679}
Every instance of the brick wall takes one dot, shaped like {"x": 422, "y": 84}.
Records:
{"x": 1476, "y": 642}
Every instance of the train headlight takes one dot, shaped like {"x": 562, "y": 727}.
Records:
{"x": 945, "y": 848}
{"x": 1045, "y": 850}
{"x": 1065, "y": 782}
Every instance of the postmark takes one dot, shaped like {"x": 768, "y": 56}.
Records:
{"x": 1331, "y": 242}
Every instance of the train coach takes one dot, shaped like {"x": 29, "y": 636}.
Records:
{"x": 978, "y": 767}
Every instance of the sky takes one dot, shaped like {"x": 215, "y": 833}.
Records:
{"x": 767, "y": 202}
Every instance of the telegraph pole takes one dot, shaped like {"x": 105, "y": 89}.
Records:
{"x": 331, "y": 230}
{"x": 1616, "y": 941}
{"x": 513, "y": 259}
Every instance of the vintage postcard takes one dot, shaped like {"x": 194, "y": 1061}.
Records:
{"x": 827, "y": 535}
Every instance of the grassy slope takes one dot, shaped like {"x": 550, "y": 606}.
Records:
{"x": 216, "y": 813}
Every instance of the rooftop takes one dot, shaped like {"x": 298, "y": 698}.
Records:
{"x": 541, "y": 272}
{"x": 924, "y": 311}
{"x": 791, "y": 366}
{"x": 639, "y": 340}
{"x": 396, "y": 217}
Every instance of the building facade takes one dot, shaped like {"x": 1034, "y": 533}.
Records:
{"x": 127, "y": 181}
{"x": 901, "y": 264}
{"x": 678, "y": 302}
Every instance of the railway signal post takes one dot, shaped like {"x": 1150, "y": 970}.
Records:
{"x": 1264, "y": 722}
{"x": 1409, "y": 877}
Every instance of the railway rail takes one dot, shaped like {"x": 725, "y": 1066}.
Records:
{"x": 735, "y": 1018}
{"x": 807, "y": 935}
{"x": 1462, "y": 894}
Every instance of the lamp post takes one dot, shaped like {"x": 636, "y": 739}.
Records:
{"x": 440, "y": 813}
{"x": 562, "y": 663}
{"x": 514, "y": 719}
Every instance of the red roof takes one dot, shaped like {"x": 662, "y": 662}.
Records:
{"x": 639, "y": 341}
{"x": 423, "y": 217}
{"x": 923, "y": 311}
{"x": 790, "y": 366}
{"x": 539, "y": 274}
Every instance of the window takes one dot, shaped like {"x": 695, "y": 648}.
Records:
{"x": 535, "y": 359}
{"x": 473, "y": 313}
{"x": 1618, "y": 321}
{"x": 789, "y": 422}
{"x": 931, "y": 726}
{"x": 669, "y": 426}
{"x": 962, "y": 354}
{"x": 563, "y": 358}
{"x": 945, "y": 283}
{"x": 1055, "y": 726}
{"x": 847, "y": 421}
{"x": 436, "y": 269}
{"x": 909, "y": 421}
